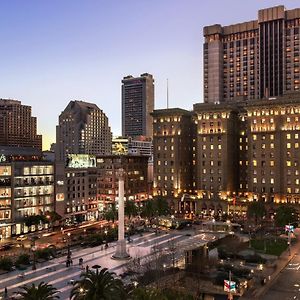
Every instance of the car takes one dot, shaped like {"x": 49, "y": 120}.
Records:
{"x": 21, "y": 238}
{"x": 7, "y": 246}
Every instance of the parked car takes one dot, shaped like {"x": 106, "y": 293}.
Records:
{"x": 6, "y": 246}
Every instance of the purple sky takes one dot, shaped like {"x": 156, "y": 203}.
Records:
{"x": 60, "y": 50}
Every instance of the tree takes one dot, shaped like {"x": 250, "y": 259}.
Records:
{"x": 98, "y": 285}
{"x": 285, "y": 214}
{"x": 256, "y": 210}
{"x": 111, "y": 213}
{"x": 161, "y": 206}
{"x": 32, "y": 220}
{"x": 157, "y": 294}
{"x": 52, "y": 217}
{"x": 43, "y": 291}
{"x": 148, "y": 210}
{"x": 131, "y": 209}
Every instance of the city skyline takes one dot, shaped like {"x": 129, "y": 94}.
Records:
{"x": 58, "y": 52}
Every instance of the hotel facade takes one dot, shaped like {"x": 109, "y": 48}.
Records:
{"x": 235, "y": 153}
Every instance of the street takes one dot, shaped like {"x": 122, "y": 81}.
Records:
{"x": 287, "y": 285}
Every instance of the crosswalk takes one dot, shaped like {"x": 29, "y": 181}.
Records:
{"x": 56, "y": 273}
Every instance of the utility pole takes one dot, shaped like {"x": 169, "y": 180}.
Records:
{"x": 229, "y": 293}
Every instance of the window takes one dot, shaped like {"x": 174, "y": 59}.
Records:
{"x": 254, "y": 163}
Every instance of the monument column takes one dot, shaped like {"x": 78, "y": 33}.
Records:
{"x": 121, "y": 252}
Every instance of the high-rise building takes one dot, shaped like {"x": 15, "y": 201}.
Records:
{"x": 18, "y": 129}
{"x": 241, "y": 152}
{"x": 255, "y": 59}
{"x": 83, "y": 129}
{"x": 172, "y": 146}
{"x": 137, "y": 105}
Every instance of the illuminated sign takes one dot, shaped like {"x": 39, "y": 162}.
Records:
{"x": 60, "y": 197}
{"x": 119, "y": 148}
{"x": 78, "y": 161}
{"x": 2, "y": 158}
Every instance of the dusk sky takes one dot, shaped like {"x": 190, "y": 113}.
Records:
{"x": 61, "y": 50}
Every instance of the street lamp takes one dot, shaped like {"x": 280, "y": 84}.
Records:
{"x": 69, "y": 251}
{"x": 105, "y": 232}
{"x": 33, "y": 248}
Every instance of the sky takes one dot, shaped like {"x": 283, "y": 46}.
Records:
{"x": 52, "y": 52}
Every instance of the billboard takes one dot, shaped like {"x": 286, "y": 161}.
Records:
{"x": 78, "y": 161}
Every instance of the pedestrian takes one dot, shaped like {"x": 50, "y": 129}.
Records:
{"x": 87, "y": 268}
{"x": 5, "y": 293}
{"x": 71, "y": 262}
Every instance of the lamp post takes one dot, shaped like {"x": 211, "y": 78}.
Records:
{"x": 69, "y": 251}
{"x": 105, "y": 232}
{"x": 33, "y": 248}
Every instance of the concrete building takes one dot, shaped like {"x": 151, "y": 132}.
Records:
{"x": 90, "y": 183}
{"x": 83, "y": 129}
{"x": 241, "y": 152}
{"x": 26, "y": 189}
{"x": 136, "y": 184}
{"x": 173, "y": 144}
{"x": 18, "y": 129}
{"x": 253, "y": 60}
{"x": 137, "y": 105}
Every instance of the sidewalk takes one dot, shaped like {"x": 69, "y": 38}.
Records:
{"x": 258, "y": 290}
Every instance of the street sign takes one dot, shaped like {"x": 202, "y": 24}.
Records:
{"x": 229, "y": 286}
{"x": 289, "y": 228}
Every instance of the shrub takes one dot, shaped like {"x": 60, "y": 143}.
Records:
{"x": 6, "y": 264}
{"x": 23, "y": 259}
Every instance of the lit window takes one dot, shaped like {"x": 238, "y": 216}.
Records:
{"x": 272, "y": 180}
{"x": 272, "y": 163}
{"x": 288, "y": 163}
{"x": 254, "y": 163}
{"x": 288, "y": 136}
{"x": 254, "y": 137}
{"x": 288, "y": 145}
{"x": 211, "y": 147}
{"x": 254, "y": 180}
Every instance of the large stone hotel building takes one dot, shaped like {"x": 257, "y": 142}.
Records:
{"x": 242, "y": 143}
{"x": 247, "y": 151}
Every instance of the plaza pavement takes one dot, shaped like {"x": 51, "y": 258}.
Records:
{"x": 56, "y": 273}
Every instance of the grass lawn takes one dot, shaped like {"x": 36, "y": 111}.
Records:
{"x": 272, "y": 247}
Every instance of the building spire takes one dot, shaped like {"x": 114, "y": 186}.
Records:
{"x": 167, "y": 93}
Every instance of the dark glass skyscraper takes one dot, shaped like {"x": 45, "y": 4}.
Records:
{"x": 137, "y": 105}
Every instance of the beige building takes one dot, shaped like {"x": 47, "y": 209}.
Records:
{"x": 254, "y": 59}
{"x": 173, "y": 142}
{"x": 83, "y": 129}
{"x": 137, "y": 105}
{"x": 18, "y": 129}
{"x": 234, "y": 153}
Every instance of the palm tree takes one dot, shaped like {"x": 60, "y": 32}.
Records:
{"x": 43, "y": 291}
{"x": 98, "y": 285}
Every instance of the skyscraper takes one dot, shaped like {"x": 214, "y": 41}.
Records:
{"x": 83, "y": 129}
{"x": 18, "y": 128}
{"x": 255, "y": 59}
{"x": 137, "y": 105}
